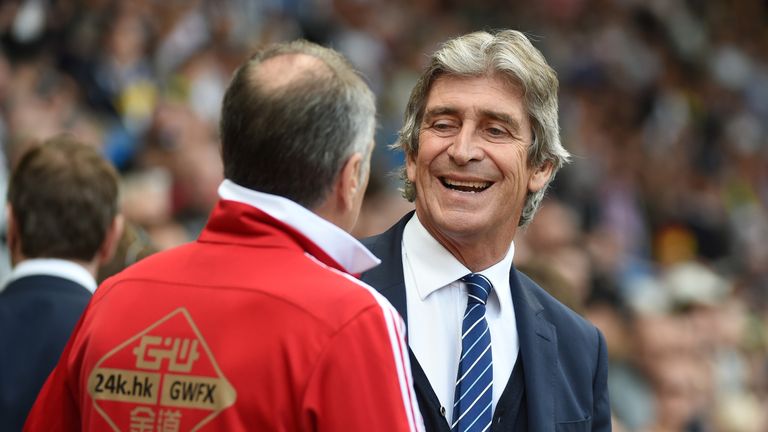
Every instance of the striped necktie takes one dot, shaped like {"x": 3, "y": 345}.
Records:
{"x": 473, "y": 397}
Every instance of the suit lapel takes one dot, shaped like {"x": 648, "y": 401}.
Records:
{"x": 388, "y": 279}
{"x": 538, "y": 349}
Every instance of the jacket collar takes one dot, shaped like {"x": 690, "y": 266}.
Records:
{"x": 62, "y": 268}
{"x": 240, "y": 211}
{"x": 388, "y": 279}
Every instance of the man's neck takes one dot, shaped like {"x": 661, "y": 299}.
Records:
{"x": 476, "y": 255}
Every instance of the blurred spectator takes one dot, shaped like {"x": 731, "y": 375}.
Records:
{"x": 63, "y": 223}
{"x": 132, "y": 246}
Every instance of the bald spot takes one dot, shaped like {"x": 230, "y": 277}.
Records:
{"x": 283, "y": 69}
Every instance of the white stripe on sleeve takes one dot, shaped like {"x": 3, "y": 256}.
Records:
{"x": 396, "y": 330}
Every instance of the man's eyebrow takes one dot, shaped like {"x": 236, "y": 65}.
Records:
{"x": 438, "y": 111}
{"x": 513, "y": 123}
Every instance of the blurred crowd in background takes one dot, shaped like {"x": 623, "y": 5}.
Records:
{"x": 657, "y": 232}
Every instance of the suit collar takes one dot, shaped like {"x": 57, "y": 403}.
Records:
{"x": 61, "y": 268}
{"x": 388, "y": 278}
{"x": 538, "y": 349}
{"x": 389, "y": 281}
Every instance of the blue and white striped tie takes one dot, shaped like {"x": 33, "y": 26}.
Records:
{"x": 473, "y": 398}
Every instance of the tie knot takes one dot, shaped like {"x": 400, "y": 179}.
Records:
{"x": 478, "y": 287}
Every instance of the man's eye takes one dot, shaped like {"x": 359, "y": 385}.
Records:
{"x": 495, "y": 132}
{"x": 444, "y": 127}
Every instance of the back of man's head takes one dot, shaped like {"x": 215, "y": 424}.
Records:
{"x": 63, "y": 200}
{"x": 291, "y": 116}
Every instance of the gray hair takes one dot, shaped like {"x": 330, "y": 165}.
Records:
{"x": 292, "y": 139}
{"x": 510, "y": 54}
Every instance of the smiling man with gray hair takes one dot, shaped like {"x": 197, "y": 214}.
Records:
{"x": 490, "y": 349}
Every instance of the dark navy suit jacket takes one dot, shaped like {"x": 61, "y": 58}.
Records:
{"x": 37, "y": 316}
{"x": 563, "y": 356}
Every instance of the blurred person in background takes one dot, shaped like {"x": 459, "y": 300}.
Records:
{"x": 63, "y": 222}
{"x": 258, "y": 325}
{"x": 487, "y": 344}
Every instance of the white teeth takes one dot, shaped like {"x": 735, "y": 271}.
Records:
{"x": 467, "y": 184}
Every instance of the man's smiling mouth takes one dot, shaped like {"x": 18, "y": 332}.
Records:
{"x": 465, "y": 186}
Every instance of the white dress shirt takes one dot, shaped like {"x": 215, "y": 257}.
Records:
{"x": 436, "y": 303}
{"x": 52, "y": 267}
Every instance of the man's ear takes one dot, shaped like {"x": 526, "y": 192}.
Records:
{"x": 339, "y": 205}
{"x": 349, "y": 181}
{"x": 11, "y": 230}
{"x": 111, "y": 240}
{"x": 410, "y": 167}
{"x": 540, "y": 176}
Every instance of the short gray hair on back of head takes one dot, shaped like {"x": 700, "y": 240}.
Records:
{"x": 509, "y": 54}
{"x": 291, "y": 138}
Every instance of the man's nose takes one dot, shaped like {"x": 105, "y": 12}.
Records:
{"x": 465, "y": 146}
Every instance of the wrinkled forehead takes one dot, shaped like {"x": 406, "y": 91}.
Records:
{"x": 478, "y": 94}
{"x": 502, "y": 83}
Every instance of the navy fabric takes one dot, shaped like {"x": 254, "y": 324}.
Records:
{"x": 37, "y": 316}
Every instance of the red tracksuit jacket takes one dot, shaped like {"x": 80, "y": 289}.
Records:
{"x": 252, "y": 327}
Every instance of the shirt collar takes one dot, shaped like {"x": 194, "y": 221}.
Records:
{"x": 337, "y": 243}
{"x": 437, "y": 267}
{"x": 53, "y": 267}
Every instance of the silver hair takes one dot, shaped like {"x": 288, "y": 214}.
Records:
{"x": 507, "y": 53}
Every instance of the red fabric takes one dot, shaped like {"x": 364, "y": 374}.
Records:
{"x": 240, "y": 330}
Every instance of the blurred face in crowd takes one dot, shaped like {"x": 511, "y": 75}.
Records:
{"x": 127, "y": 39}
{"x": 471, "y": 172}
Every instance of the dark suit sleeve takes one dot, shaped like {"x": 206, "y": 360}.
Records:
{"x": 601, "y": 421}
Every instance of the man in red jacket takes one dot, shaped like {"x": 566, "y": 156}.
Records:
{"x": 258, "y": 325}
